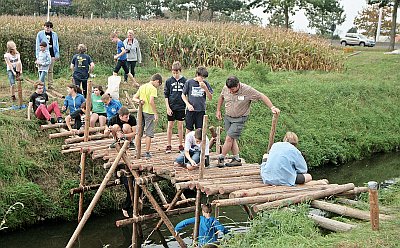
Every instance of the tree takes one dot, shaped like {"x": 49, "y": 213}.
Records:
{"x": 286, "y": 7}
{"x": 278, "y": 20}
{"x": 325, "y": 15}
{"x": 242, "y": 16}
{"x": 352, "y": 30}
{"x": 368, "y": 18}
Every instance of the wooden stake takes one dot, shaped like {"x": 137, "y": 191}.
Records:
{"x": 96, "y": 197}
{"x": 19, "y": 92}
{"x": 329, "y": 224}
{"x": 203, "y": 146}
{"x": 160, "y": 193}
{"x": 139, "y": 131}
{"x": 272, "y": 132}
{"x": 373, "y": 205}
{"x": 218, "y": 141}
{"x": 197, "y": 218}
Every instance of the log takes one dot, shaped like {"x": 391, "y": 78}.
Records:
{"x": 182, "y": 202}
{"x": 52, "y": 126}
{"x": 332, "y": 225}
{"x": 228, "y": 188}
{"x": 345, "y": 211}
{"x": 91, "y": 137}
{"x": 90, "y": 187}
{"x": 305, "y": 197}
{"x": 68, "y": 133}
{"x": 373, "y": 205}
{"x": 353, "y": 192}
{"x": 203, "y": 147}
{"x": 270, "y": 189}
{"x": 141, "y": 218}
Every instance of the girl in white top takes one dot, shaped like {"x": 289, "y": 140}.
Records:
{"x": 14, "y": 66}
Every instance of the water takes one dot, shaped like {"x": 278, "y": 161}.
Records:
{"x": 101, "y": 231}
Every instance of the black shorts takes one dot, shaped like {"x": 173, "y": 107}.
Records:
{"x": 300, "y": 179}
{"x": 194, "y": 119}
{"x": 101, "y": 114}
{"x": 177, "y": 115}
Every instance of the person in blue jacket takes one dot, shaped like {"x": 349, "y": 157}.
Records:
{"x": 51, "y": 38}
{"x": 284, "y": 165}
{"x": 74, "y": 99}
{"x": 112, "y": 106}
{"x": 208, "y": 229}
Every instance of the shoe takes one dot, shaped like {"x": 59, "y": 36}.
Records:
{"x": 112, "y": 145}
{"x": 181, "y": 148}
{"x": 52, "y": 120}
{"x": 147, "y": 155}
{"x": 60, "y": 120}
{"x": 234, "y": 162}
{"x": 221, "y": 163}
{"x": 132, "y": 145}
{"x": 168, "y": 149}
{"x": 13, "y": 98}
{"x": 213, "y": 132}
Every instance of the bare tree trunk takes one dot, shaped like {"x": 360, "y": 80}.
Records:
{"x": 286, "y": 10}
{"x": 393, "y": 28}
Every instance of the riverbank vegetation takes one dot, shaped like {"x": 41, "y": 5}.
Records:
{"x": 291, "y": 227}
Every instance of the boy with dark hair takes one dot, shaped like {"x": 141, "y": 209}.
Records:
{"x": 38, "y": 101}
{"x": 43, "y": 62}
{"x": 191, "y": 157}
{"x": 112, "y": 105}
{"x": 145, "y": 95}
{"x": 123, "y": 126}
{"x": 209, "y": 226}
{"x": 175, "y": 104}
{"x": 194, "y": 95}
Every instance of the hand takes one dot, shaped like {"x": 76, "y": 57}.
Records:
{"x": 14, "y": 73}
{"x": 120, "y": 135}
{"x": 190, "y": 107}
{"x": 117, "y": 181}
{"x": 63, "y": 108}
{"x": 203, "y": 85}
{"x": 218, "y": 115}
{"x": 155, "y": 117}
{"x": 193, "y": 163}
{"x": 169, "y": 111}
{"x": 115, "y": 57}
{"x": 275, "y": 110}
{"x": 37, "y": 62}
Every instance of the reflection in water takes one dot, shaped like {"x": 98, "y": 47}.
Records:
{"x": 101, "y": 232}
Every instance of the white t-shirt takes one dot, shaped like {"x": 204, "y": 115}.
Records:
{"x": 190, "y": 143}
{"x": 13, "y": 59}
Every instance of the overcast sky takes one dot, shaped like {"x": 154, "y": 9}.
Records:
{"x": 351, "y": 9}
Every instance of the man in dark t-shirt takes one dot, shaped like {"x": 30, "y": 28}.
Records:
{"x": 122, "y": 126}
{"x": 38, "y": 101}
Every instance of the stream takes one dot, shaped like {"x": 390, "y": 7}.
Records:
{"x": 100, "y": 231}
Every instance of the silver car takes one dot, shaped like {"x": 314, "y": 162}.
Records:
{"x": 353, "y": 39}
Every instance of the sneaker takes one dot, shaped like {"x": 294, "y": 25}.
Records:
{"x": 132, "y": 145}
{"x": 168, "y": 149}
{"x": 52, "y": 120}
{"x": 221, "y": 163}
{"x": 13, "y": 98}
{"x": 234, "y": 162}
{"x": 181, "y": 148}
{"x": 60, "y": 120}
{"x": 147, "y": 155}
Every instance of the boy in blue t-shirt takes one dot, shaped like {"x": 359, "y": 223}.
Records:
{"x": 120, "y": 57}
{"x": 209, "y": 226}
{"x": 112, "y": 106}
{"x": 194, "y": 94}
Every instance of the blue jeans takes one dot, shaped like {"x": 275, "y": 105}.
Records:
{"x": 11, "y": 77}
{"x": 195, "y": 155}
{"x": 42, "y": 77}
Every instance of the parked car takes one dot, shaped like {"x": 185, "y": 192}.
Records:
{"x": 353, "y": 39}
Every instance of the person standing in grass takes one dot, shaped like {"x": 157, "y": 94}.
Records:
{"x": 208, "y": 229}
{"x": 81, "y": 66}
{"x": 194, "y": 94}
{"x": 133, "y": 55}
{"x": 175, "y": 104}
{"x": 238, "y": 97}
{"x": 14, "y": 66}
{"x": 51, "y": 38}
{"x": 98, "y": 108}
{"x": 285, "y": 165}
{"x": 146, "y": 95}
{"x": 120, "y": 57}
{"x": 38, "y": 101}
{"x": 43, "y": 62}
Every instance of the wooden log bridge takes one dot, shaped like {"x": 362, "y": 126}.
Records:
{"x": 228, "y": 186}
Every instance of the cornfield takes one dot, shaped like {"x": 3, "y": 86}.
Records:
{"x": 164, "y": 41}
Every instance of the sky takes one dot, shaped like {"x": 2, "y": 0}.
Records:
{"x": 351, "y": 9}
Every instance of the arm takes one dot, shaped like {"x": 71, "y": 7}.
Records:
{"x": 9, "y": 65}
{"x": 91, "y": 67}
{"x": 188, "y": 105}
{"x": 300, "y": 163}
{"x": 268, "y": 102}
{"x": 139, "y": 54}
{"x": 220, "y": 227}
{"x": 219, "y": 105}
{"x": 48, "y": 59}
{"x": 204, "y": 86}
{"x": 123, "y": 51}
{"x": 153, "y": 107}
{"x": 169, "y": 110}
{"x": 166, "y": 96}
{"x": 187, "y": 155}
{"x": 71, "y": 67}
{"x": 37, "y": 46}
{"x": 183, "y": 224}
{"x": 29, "y": 110}
{"x": 68, "y": 122}
{"x": 136, "y": 98}
{"x": 55, "y": 46}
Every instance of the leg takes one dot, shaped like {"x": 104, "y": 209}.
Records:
{"x": 93, "y": 118}
{"x": 198, "y": 120}
{"x": 235, "y": 147}
{"x": 189, "y": 121}
{"x": 227, "y": 145}
{"x": 127, "y": 129}
{"x": 50, "y": 73}
{"x": 148, "y": 143}
{"x": 128, "y": 64}
{"x": 180, "y": 160}
{"x": 169, "y": 132}
{"x": 102, "y": 120}
{"x": 42, "y": 76}
{"x": 11, "y": 79}
{"x": 180, "y": 132}
{"x": 117, "y": 68}
{"x": 54, "y": 107}
{"x": 42, "y": 113}
{"x": 115, "y": 129}
{"x": 196, "y": 156}
{"x": 84, "y": 88}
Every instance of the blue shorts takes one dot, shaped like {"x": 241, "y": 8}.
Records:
{"x": 11, "y": 77}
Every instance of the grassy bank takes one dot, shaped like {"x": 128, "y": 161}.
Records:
{"x": 339, "y": 116}
{"x": 291, "y": 227}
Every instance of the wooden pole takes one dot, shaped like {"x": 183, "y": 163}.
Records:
{"x": 19, "y": 92}
{"x": 90, "y": 187}
{"x": 373, "y": 205}
{"x": 83, "y": 155}
{"x": 91, "y": 137}
{"x": 139, "y": 131}
{"x": 272, "y": 132}
{"x": 302, "y": 198}
{"x": 203, "y": 146}
{"x": 68, "y": 133}
{"x": 197, "y": 218}
{"x": 52, "y": 126}
{"x": 248, "y": 211}
{"x": 332, "y": 225}
{"x": 96, "y": 197}
{"x": 218, "y": 141}
{"x": 160, "y": 193}
{"x": 134, "y": 193}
